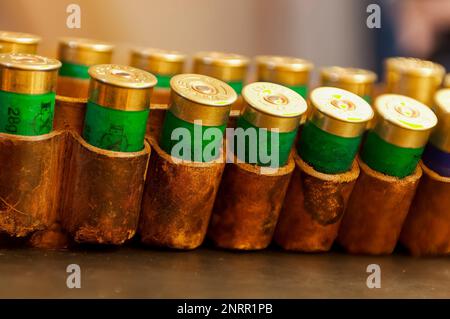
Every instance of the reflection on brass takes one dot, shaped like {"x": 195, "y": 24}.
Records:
{"x": 335, "y": 126}
{"x": 412, "y": 77}
{"x": 121, "y": 87}
{"x": 17, "y": 42}
{"x": 197, "y": 97}
{"x": 358, "y": 81}
{"x": 157, "y": 61}
{"x": 84, "y": 51}
{"x": 390, "y": 128}
{"x": 272, "y": 106}
{"x": 228, "y": 67}
{"x": 339, "y": 112}
{"x": 28, "y": 73}
{"x": 441, "y": 134}
{"x": 283, "y": 70}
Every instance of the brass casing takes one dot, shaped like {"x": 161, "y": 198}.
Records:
{"x": 399, "y": 135}
{"x": 440, "y": 137}
{"x": 228, "y": 67}
{"x": 329, "y": 122}
{"x": 17, "y": 42}
{"x": 157, "y": 61}
{"x": 283, "y": 70}
{"x": 257, "y": 108}
{"x": 84, "y": 51}
{"x": 358, "y": 81}
{"x": 412, "y": 77}
{"x": 28, "y": 73}
{"x": 120, "y": 87}
{"x": 447, "y": 81}
{"x": 196, "y": 97}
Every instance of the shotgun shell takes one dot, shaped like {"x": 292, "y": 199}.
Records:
{"x": 412, "y": 77}
{"x": 270, "y": 118}
{"x": 17, "y": 42}
{"x": 77, "y": 55}
{"x": 447, "y": 81}
{"x": 291, "y": 72}
{"x": 358, "y": 81}
{"x": 197, "y": 114}
{"x": 228, "y": 67}
{"x": 27, "y": 93}
{"x": 437, "y": 151}
{"x": 162, "y": 63}
{"x": 118, "y": 107}
{"x": 403, "y": 125}
{"x": 331, "y": 137}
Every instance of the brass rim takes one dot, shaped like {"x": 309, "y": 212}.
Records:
{"x": 85, "y": 51}
{"x": 272, "y": 106}
{"x": 358, "y": 81}
{"x": 28, "y": 73}
{"x": 121, "y": 87}
{"x": 403, "y": 121}
{"x": 17, "y": 42}
{"x": 339, "y": 112}
{"x": 198, "y": 97}
{"x": 415, "y": 78}
{"x": 414, "y": 66}
{"x": 228, "y": 67}
{"x": 283, "y": 70}
{"x": 440, "y": 136}
{"x": 158, "y": 61}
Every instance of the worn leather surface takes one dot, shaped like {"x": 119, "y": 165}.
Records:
{"x": 313, "y": 208}
{"x": 69, "y": 114}
{"x": 376, "y": 211}
{"x": 248, "y": 205}
{"x": 178, "y": 200}
{"x": 156, "y": 120}
{"x": 30, "y": 186}
{"x": 427, "y": 227}
{"x": 102, "y": 194}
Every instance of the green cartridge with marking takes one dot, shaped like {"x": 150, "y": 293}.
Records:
{"x": 164, "y": 64}
{"x": 268, "y": 125}
{"x": 78, "y": 54}
{"x": 118, "y": 107}
{"x": 291, "y": 72}
{"x": 197, "y": 116}
{"x": 27, "y": 93}
{"x": 396, "y": 143}
{"x": 331, "y": 137}
{"x": 18, "y": 42}
{"x": 228, "y": 67}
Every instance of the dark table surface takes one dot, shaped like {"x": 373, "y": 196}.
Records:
{"x": 137, "y": 272}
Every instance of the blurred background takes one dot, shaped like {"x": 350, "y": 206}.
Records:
{"x": 328, "y": 32}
